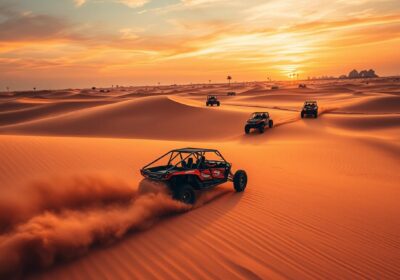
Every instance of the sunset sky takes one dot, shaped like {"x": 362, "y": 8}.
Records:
{"x": 81, "y": 43}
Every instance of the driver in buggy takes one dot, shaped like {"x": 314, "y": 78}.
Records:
{"x": 188, "y": 164}
{"x": 260, "y": 116}
{"x": 201, "y": 163}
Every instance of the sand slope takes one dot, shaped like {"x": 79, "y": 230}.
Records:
{"x": 150, "y": 117}
{"x": 322, "y": 198}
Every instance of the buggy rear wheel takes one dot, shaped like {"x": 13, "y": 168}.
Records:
{"x": 271, "y": 123}
{"x": 302, "y": 115}
{"x": 247, "y": 129}
{"x": 240, "y": 180}
{"x": 185, "y": 194}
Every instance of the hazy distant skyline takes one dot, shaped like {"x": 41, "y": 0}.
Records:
{"x": 80, "y": 43}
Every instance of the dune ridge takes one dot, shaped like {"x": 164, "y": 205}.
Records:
{"x": 149, "y": 117}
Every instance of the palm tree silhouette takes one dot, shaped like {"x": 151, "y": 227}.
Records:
{"x": 229, "y": 80}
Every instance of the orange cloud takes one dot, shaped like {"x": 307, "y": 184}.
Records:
{"x": 52, "y": 47}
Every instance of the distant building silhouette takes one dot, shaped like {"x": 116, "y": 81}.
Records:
{"x": 353, "y": 74}
{"x": 368, "y": 74}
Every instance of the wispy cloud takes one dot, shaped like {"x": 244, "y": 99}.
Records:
{"x": 193, "y": 37}
{"x": 79, "y": 3}
{"x": 129, "y": 3}
{"x": 133, "y": 3}
{"x": 31, "y": 27}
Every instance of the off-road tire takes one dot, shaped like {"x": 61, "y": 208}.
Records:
{"x": 247, "y": 129}
{"x": 240, "y": 180}
{"x": 218, "y": 104}
{"x": 270, "y": 123}
{"x": 316, "y": 115}
{"x": 302, "y": 114}
{"x": 261, "y": 128}
{"x": 184, "y": 193}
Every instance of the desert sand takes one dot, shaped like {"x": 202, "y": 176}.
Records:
{"x": 322, "y": 199}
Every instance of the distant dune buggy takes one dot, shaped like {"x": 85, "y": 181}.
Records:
{"x": 310, "y": 108}
{"x": 212, "y": 100}
{"x": 231, "y": 93}
{"x": 189, "y": 169}
{"x": 258, "y": 120}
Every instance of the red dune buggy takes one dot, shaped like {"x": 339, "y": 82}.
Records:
{"x": 189, "y": 169}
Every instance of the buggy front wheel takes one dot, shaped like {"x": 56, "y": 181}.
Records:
{"x": 240, "y": 180}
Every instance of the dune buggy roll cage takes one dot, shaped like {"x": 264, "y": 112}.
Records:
{"x": 195, "y": 152}
{"x": 260, "y": 113}
{"x": 310, "y": 102}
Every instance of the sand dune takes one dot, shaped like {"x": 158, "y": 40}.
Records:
{"x": 380, "y": 104}
{"x": 322, "y": 198}
{"x": 365, "y": 122}
{"x": 30, "y": 111}
{"x": 149, "y": 117}
{"x": 11, "y": 106}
